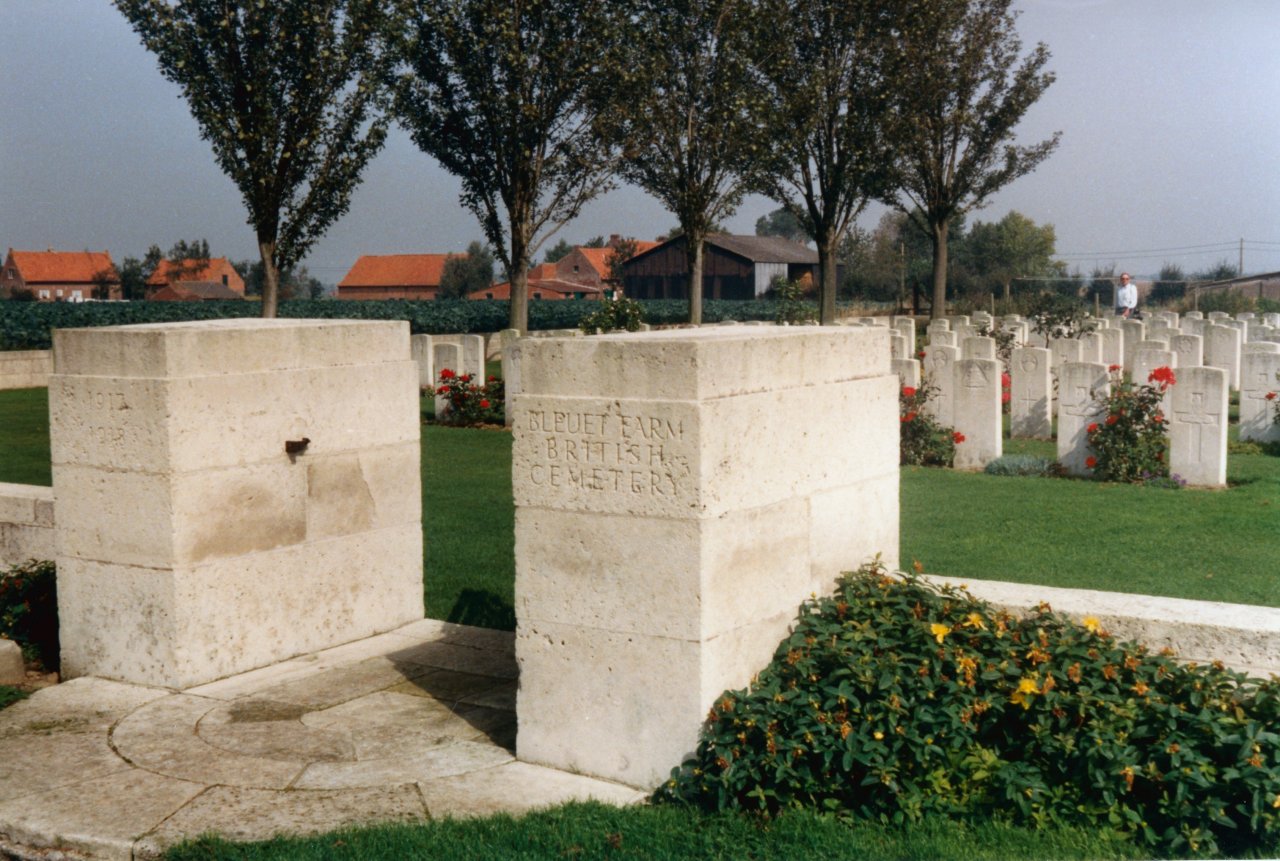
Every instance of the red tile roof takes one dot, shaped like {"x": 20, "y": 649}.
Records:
{"x": 563, "y": 289}
{"x": 61, "y": 267}
{"x": 599, "y": 257}
{"x": 210, "y": 270}
{"x": 397, "y": 270}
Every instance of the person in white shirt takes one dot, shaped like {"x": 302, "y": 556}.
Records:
{"x": 1126, "y": 296}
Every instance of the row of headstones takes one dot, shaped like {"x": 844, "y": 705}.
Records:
{"x": 1252, "y": 366}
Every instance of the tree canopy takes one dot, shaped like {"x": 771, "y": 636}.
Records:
{"x": 682, "y": 97}
{"x": 781, "y": 222}
{"x": 467, "y": 273}
{"x": 504, "y": 96}
{"x": 961, "y": 86}
{"x": 288, "y": 94}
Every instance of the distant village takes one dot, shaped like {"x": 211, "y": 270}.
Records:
{"x": 735, "y": 267}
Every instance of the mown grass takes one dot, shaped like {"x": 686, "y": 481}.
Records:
{"x": 594, "y": 831}
{"x": 24, "y": 437}
{"x": 10, "y": 695}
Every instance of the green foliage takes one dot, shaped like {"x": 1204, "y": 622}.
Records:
{"x": 506, "y": 97}
{"x": 1057, "y": 316}
{"x": 781, "y": 222}
{"x": 1129, "y": 442}
{"x": 469, "y": 403}
{"x": 896, "y": 700}
{"x": 29, "y": 610}
{"x": 922, "y": 441}
{"x": 1170, "y": 286}
{"x": 1004, "y": 339}
{"x": 959, "y": 89}
{"x": 1022, "y": 464}
{"x": 557, "y": 252}
{"x": 1228, "y": 301}
{"x": 792, "y": 307}
{"x": 288, "y": 94}
{"x": 467, "y": 273}
{"x": 624, "y": 314}
{"x": 10, "y": 695}
{"x": 1015, "y": 245}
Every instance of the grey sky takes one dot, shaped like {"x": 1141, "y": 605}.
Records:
{"x": 1170, "y": 113}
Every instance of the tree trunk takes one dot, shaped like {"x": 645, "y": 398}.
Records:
{"x": 519, "y": 317}
{"x": 270, "y": 278}
{"x": 939, "y": 239}
{"x": 693, "y": 252}
{"x": 827, "y": 278}
{"x": 1007, "y": 283}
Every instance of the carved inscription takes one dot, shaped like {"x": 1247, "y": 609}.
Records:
{"x": 93, "y": 409}
{"x": 608, "y": 451}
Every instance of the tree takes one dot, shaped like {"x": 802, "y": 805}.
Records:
{"x": 1171, "y": 284}
{"x": 505, "y": 96}
{"x": 466, "y": 273}
{"x": 821, "y": 68}
{"x": 1223, "y": 270}
{"x": 288, "y": 94}
{"x": 133, "y": 279}
{"x": 682, "y": 115}
{"x": 557, "y": 252}
{"x": 1015, "y": 245}
{"x": 622, "y": 251}
{"x": 960, "y": 88}
{"x": 595, "y": 242}
{"x": 782, "y": 223}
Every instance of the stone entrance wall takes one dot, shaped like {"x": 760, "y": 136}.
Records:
{"x": 191, "y": 544}
{"x": 678, "y": 495}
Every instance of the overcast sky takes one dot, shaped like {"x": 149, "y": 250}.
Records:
{"x": 1169, "y": 112}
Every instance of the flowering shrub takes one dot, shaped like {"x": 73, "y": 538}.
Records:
{"x": 1275, "y": 405}
{"x": 1129, "y": 441}
{"x": 922, "y": 441}
{"x": 625, "y": 314}
{"x": 895, "y": 699}
{"x": 29, "y": 610}
{"x": 469, "y": 403}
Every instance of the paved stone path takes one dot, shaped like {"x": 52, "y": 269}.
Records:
{"x": 411, "y": 725}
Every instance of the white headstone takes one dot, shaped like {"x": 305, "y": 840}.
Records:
{"x": 898, "y": 345}
{"x": 1193, "y": 325}
{"x": 1198, "y": 427}
{"x": 1064, "y": 350}
{"x": 1091, "y": 347}
{"x": 1112, "y": 347}
{"x": 1193, "y": 315}
{"x": 938, "y": 370}
{"x": 1135, "y": 332}
{"x": 445, "y": 357}
{"x": 978, "y": 348}
{"x": 908, "y": 371}
{"x": 1190, "y": 350}
{"x": 977, "y": 412}
{"x": 1079, "y": 386}
{"x": 942, "y": 338}
{"x": 1259, "y": 377}
{"x": 906, "y": 327}
{"x": 1222, "y": 350}
{"x": 1030, "y": 389}
{"x": 420, "y": 348}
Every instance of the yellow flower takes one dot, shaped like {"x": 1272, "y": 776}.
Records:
{"x": 879, "y": 736}
{"x": 939, "y": 631}
{"x": 918, "y": 566}
{"x": 1276, "y": 803}
{"x": 1022, "y": 696}
{"x": 1092, "y": 624}
{"x": 975, "y": 621}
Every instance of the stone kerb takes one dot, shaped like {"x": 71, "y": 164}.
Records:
{"x": 232, "y": 493}
{"x": 25, "y": 369}
{"x": 678, "y": 494}
{"x": 1259, "y": 377}
{"x": 1198, "y": 427}
{"x": 1079, "y": 385}
{"x": 26, "y": 523}
{"x": 977, "y": 412}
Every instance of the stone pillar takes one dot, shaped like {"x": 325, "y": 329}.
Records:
{"x": 678, "y": 494}
{"x": 1197, "y": 427}
{"x": 232, "y": 493}
{"x": 1079, "y": 384}
{"x": 1031, "y": 394}
{"x": 977, "y": 412}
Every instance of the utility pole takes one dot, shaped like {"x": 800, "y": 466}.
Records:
{"x": 902, "y": 274}
{"x": 1240, "y": 268}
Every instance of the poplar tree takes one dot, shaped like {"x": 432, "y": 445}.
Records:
{"x": 683, "y": 115}
{"x": 961, "y": 86}
{"x": 289, "y": 94}
{"x": 504, "y": 95}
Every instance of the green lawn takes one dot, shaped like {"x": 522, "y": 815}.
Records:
{"x": 593, "y": 831}
{"x": 24, "y": 437}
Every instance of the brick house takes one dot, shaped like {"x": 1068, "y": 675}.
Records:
{"x": 60, "y": 276}
{"x": 733, "y": 267}
{"x": 1263, "y": 286}
{"x": 590, "y": 266}
{"x": 192, "y": 279}
{"x": 544, "y": 283}
{"x": 394, "y": 276}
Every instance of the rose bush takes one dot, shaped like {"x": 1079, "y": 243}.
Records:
{"x": 922, "y": 440}
{"x": 1130, "y": 442}
{"x": 469, "y": 403}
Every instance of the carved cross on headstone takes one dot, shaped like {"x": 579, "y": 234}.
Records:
{"x": 1198, "y": 418}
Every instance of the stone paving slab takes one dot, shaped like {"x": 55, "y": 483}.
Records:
{"x": 404, "y": 726}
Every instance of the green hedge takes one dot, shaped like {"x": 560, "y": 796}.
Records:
{"x": 27, "y": 325}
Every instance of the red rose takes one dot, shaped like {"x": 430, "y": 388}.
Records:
{"x": 1005, "y": 397}
{"x": 908, "y": 392}
{"x": 466, "y": 378}
{"x": 1005, "y": 380}
{"x": 1164, "y": 376}
{"x": 1090, "y": 461}
{"x": 1113, "y": 368}
{"x": 1112, "y": 419}
{"x": 909, "y": 417}
{"x": 484, "y": 404}
{"x": 1157, "y": 418}
{"x": 1271, "y": 396}
{"x": 443, "y": 390}
{"x": 1160, "y": 455}
{"x": 920, "y": 355}
{"x": 1093, "y": 428}
{"x": 957, "y": 437}
{"x": 447, "y": 374}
